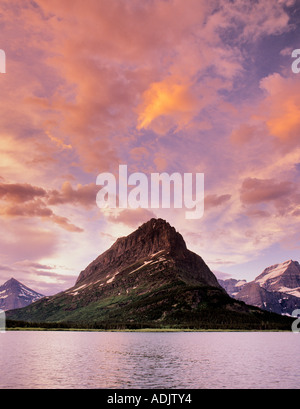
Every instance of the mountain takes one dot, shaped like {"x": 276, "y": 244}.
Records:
{"x": 155, "y": 242}
{"x": 147, "y": 279}
{"x": 14, "y": 294}
{"x": 284, "y": 278}
{"x": 276, "y": 289}
{"x": 232, "y": 286}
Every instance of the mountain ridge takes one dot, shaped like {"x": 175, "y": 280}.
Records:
{"x": 148, "y": 279}
{"x": 276, "y": 289}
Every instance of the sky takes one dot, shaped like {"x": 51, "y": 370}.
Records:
{"x": 160, "y": 86}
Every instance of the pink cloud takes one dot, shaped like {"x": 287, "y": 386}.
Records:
{"x": 97, "y": 83}
{"x": 25, "y": 200}
{"x": 258, "y": 190}
{"x": 131, "y": 217}
{"x": 20, "y": 192}
{"x": 83, "y": 195}
{"x": 214, "y": 200}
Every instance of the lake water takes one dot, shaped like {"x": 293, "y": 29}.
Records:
{"x": 133, "y": 360}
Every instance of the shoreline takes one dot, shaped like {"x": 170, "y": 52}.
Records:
{"x": 146, "y": 330}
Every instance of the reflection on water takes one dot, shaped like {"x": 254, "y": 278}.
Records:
{"x": 149, "y": 360}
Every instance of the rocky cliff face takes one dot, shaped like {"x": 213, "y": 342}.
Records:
{"x": 274, "y": 301}
{"x": 284, "y": 277}
{"x": 152, "y": 238}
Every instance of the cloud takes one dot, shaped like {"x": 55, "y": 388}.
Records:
{"x": 281, "y": 108}
{"x": 264, "y": 190}
{"x": 35, "y": 208}
{"x": 268, "y": 197}
{"x": 257, "y": 213}
{"x": 25, "y": 200}
{"x": 31, "y": 264}
{"x": 20, "y": 192}
{"x": 45, "y": 279}
{"x": 83, "y": 195}
{"x": 221, "y": 275}
{"x": 247, "y": 21}
{"x": 156, "y": 84}
{"x": 160, "y": 162}
{"x": 65, "y": 224}
{"x": 171, "y": 99}
{"x": 26, "y": 240}
{"x": 139, "y": 153}
{"x": 131, "y": 217}
{"x": 246, "y": 133}
{"x": 214, "y": 200}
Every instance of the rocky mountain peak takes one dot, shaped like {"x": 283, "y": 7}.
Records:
{"x": 11, "y": 282}
{"x": 14, "y": 294}
{"x": 280, "y": 277}
{"x": 276, "y": 289}
{"x": 153, "y": 237}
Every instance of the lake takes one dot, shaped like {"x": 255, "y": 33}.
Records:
{"x": 152, "y": 360}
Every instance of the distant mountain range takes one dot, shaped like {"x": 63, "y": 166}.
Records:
{"x": 14, "y": 294}
{"x": 276, "y": 289}
{"x": 148, "y": 279}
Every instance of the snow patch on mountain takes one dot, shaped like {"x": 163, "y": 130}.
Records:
{"x": 14, "y": 294}
{"x": 273, "y": 272}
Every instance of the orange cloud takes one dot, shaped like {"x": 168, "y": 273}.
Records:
{"x": 282, "y": 107}
{"x": 170, "y": 98}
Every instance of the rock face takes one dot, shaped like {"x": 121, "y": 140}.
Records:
{"x": 232, "y": 286}
{"x": 274, "y": 301}
{"x": 147, "y": 279}
{"x": 276, "y": 289}
{"x": 153, "y": 238}
{"x": 14, "y": 294}
{"x": 284, "y": 277}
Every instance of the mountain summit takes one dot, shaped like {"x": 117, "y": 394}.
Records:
{"x": 155, "y": 244}
{"x": 284, "y": 277}
{"x": 276, "y": 289}
{"x": 147, "y": 279}
{"x": 14, "y": 294}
